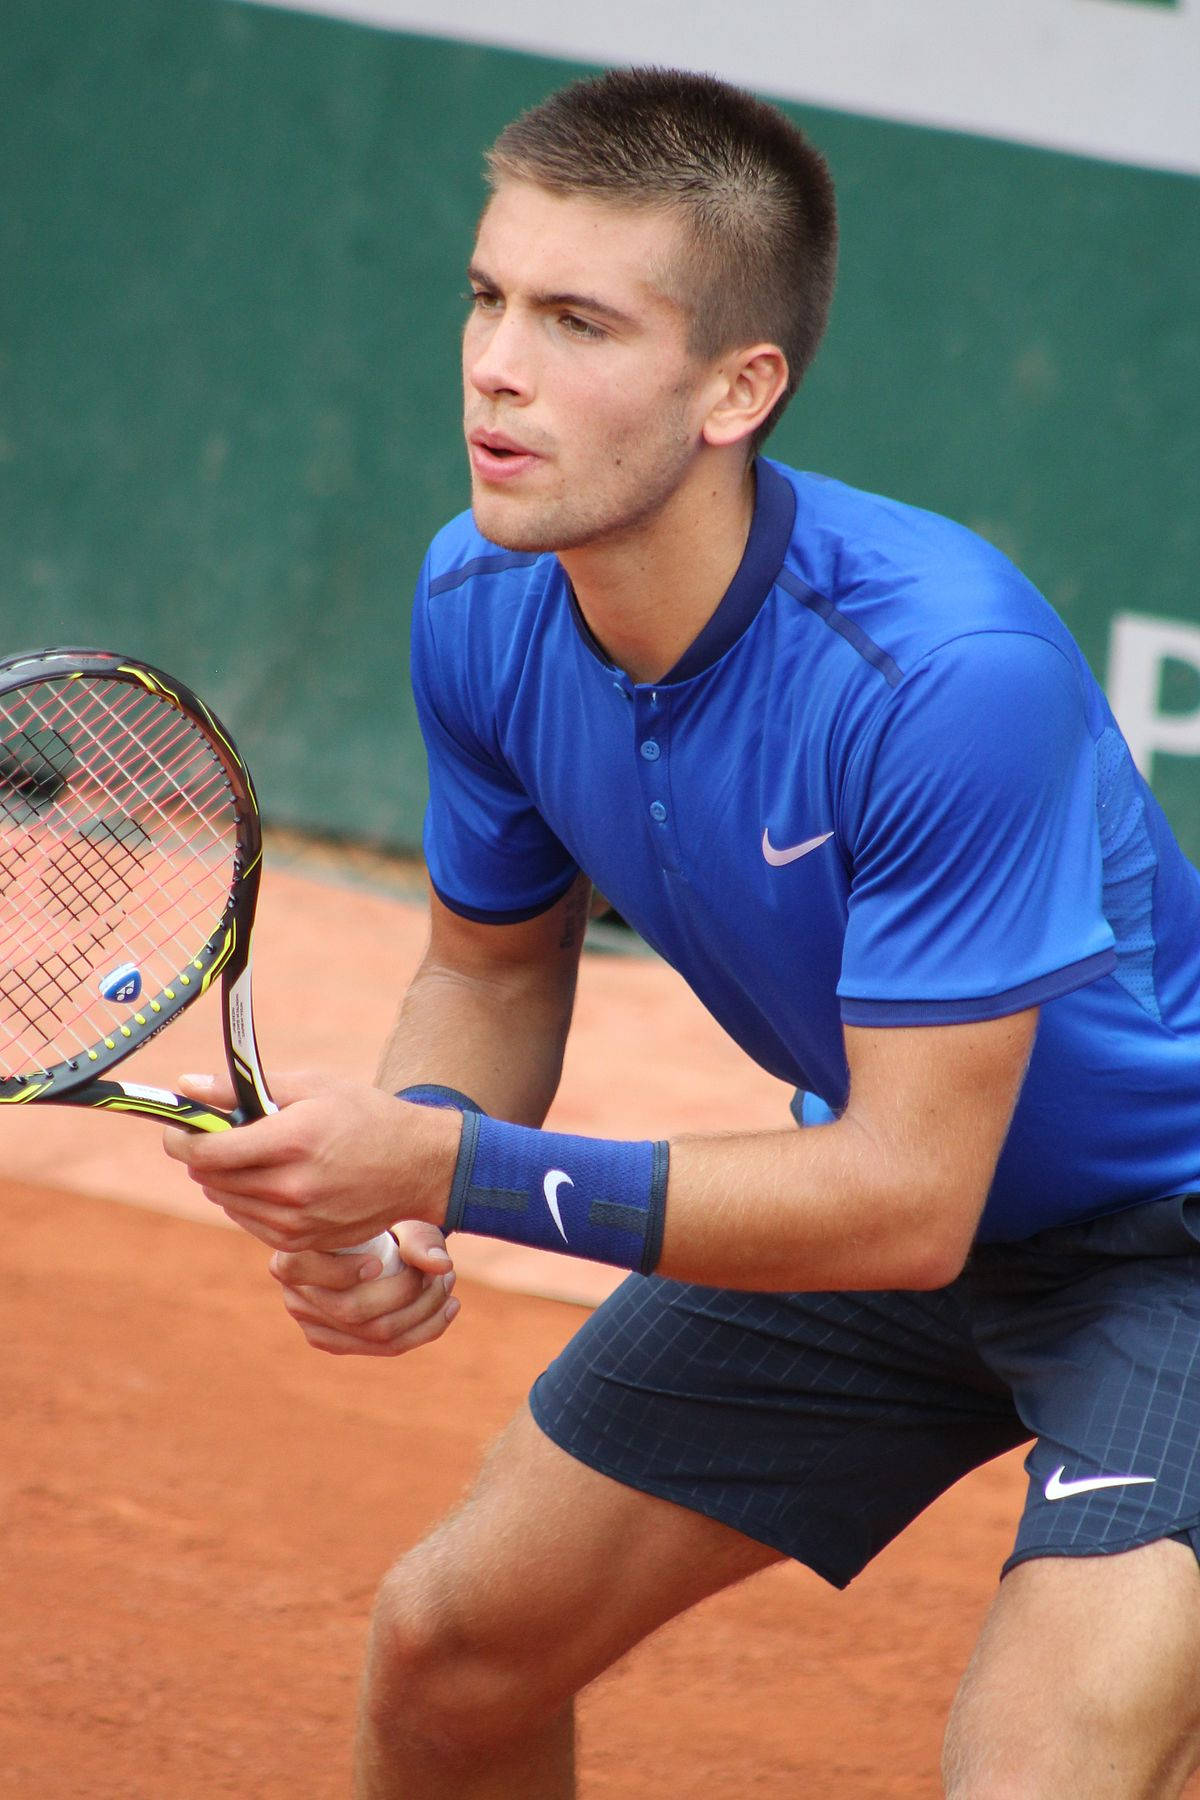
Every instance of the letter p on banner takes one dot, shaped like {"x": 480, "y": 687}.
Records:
{"x": 1139, "y": 648}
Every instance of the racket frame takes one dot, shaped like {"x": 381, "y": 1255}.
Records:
{"x": 78, "y": 1080}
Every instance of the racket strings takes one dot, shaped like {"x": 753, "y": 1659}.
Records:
{"x": 164, "y": 776}
{"x": 36, "y": 995}
{"x": 138, "y": 751}
{"x": 90, "y": 863}
{"x": 118, "y": 835}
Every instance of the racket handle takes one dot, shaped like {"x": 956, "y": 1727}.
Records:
{"x": 384, "y": 1247}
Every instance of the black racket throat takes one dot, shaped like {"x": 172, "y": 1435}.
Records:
{"x": 154, "y": 1103}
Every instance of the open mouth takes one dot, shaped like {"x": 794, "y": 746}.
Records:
{"x": 492, "y": 459}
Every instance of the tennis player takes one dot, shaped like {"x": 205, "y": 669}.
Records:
{"x": 842, "y": 767}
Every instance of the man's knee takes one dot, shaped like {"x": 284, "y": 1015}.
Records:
{"x": 441, "y": 1669}
{"x": 545, "y": 1576}
{"x": 470, "y": 1627}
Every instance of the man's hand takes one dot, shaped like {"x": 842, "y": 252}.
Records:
{"x": 337, "y": 1164}
{"x": 343, "y": 1308}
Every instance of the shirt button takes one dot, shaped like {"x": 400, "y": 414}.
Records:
{"x": 651, "y": 750}
{"x": 658, "y": 812}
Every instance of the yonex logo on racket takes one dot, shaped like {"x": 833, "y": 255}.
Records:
{"x": 123, "y": 986}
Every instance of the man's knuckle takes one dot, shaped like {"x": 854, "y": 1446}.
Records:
{"x": 378, "y": 1331}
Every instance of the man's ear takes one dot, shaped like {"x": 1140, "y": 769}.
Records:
{"x": 751, "y": 382}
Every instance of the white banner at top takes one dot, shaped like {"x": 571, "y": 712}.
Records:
{"x": 1117, "y": 79}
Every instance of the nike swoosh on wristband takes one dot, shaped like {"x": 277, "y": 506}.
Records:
{"x": 554, "y": 1179}
{"x": 777, "y": 858}
{"x": 1058, "y": 1489}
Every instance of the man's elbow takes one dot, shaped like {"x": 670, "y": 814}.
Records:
{"x": 934, "y": 1265}
{"x": 935, "y": 1246}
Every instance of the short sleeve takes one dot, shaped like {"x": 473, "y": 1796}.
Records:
{"x": 489, "y": 853}
{"x": 976, "y": 883}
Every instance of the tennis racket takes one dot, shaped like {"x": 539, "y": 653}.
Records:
{"x": 130, "y": 858}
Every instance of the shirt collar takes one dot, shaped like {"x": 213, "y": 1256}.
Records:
{"x": 770, "y": 533}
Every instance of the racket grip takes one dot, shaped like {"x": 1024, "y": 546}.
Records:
{"x": 384, "y": 1247}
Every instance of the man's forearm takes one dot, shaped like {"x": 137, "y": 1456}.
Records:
{"x": 815, "y": 1209}
{"x": 501, "y": 1042}
{"x": 769, "y": 1211}
{"x": 888, "y": 1196}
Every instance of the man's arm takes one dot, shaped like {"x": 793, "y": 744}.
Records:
{"x": 487, "y": 1013}
{"x": 888, "y": 1196}
{"x": 488, "y": 1010}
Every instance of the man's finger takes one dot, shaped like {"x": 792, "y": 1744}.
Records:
{"x": 322, "y": 1269}
{"x": 209, "y": 1090}
{"x": 422, "y": 1246}
{"x": 339, "y": 1343}
{"x": 262, "y": 1144}
{"x": 277, "y": 1227}
{"x": 375, "y": 1308}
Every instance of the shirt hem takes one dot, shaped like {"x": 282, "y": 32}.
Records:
{"x": 513, "y": 916}
{"x": 857, "y": 1011}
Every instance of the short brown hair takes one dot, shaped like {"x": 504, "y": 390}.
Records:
{"x": 755, "y": 197}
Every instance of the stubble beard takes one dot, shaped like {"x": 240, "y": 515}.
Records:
{"x": 617, "y": 510}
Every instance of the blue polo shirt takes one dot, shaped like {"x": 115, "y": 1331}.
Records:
{"x": 880, "y": 788}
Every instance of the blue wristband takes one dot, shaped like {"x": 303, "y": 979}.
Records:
{"x": 586, "y": 1197}
{"x": 431, "y": 1093}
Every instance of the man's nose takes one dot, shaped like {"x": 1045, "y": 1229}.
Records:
{"x": 498, "y": 355}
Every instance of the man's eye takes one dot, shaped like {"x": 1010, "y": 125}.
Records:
{"x": 580, "y": 328}
{"x": 482, "y": 299}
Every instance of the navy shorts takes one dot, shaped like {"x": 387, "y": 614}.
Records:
{"x": 821, "y": 1424}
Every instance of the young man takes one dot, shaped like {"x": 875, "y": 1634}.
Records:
{"x": 846, "y": 770}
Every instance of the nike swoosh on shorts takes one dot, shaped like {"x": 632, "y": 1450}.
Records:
{"x": 1058, "y": 1489}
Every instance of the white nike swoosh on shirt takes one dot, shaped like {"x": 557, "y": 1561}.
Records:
{"x": 777, "y": 858}
{"x": 1058, "y": 1489}
{"x": 554, "y": 1179}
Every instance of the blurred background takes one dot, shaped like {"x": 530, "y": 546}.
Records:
{"x": 232, "y": 242}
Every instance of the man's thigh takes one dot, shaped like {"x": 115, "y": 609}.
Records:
{"x": 546, "y": 1552}
{"x": 1084, "y": 1680}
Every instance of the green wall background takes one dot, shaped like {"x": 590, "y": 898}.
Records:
{"x": 232, "y": 242}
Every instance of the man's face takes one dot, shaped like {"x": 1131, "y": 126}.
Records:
{"x": 583, "y": 409}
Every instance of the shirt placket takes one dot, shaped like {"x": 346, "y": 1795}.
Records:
{"x": 652, "y": 751}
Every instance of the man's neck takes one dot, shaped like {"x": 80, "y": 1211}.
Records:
{"x": 649, "y": 595}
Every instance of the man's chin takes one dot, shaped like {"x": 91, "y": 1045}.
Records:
{"x": 503, "y": 525}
